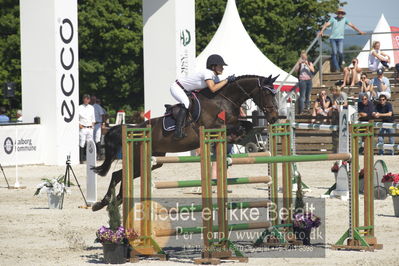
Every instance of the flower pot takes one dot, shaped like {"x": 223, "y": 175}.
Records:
{"x": 54, "y": 201}
{"x": 114, "y": 253}
{"x": 387, "y": 185}
{"x": 303, "y": 234}
{"x": 395, "y": 200}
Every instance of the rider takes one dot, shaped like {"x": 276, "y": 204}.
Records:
{"x": 207, "y": 78}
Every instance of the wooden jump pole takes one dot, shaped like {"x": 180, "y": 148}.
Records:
{"x": 197, "y": 183}
{"x": 146, "y": 245}
{"x": 197, "y": 159}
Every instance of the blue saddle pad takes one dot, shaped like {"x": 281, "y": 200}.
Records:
{"x": 169, "y": 122}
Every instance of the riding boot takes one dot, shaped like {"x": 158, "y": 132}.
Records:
{"x": 81, "y": 154}
{"x": 180, "y": 121}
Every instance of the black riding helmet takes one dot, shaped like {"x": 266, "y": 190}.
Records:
{"x": 214, "y": 59}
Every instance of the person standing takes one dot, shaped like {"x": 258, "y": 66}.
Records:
{"x": 86, "y": 124}
{"x": 305, "y": 70}
{"x": 337, "y": 37}
{"x": 384, "y": 110}
{"x": 99, "y": 115}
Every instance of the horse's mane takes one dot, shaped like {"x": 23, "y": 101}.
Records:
{"x": 209, "y": 94}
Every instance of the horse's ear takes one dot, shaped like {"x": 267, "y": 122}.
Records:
{"x": 274, "y": 79}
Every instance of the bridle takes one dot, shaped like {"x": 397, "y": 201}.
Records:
{"x": 250, "y": 95}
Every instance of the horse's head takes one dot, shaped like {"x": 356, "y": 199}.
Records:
{"x": 265, "y": 98}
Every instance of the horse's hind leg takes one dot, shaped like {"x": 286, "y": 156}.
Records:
{"x": 115, "y": 179}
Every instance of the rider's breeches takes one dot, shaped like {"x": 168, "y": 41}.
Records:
{"x": 85, "y": 134}
{"x": 179, "y": 94}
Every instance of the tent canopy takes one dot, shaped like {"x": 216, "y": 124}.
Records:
{"x": 243, "y": 57}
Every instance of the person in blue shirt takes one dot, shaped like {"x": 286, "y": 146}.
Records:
{"x": 3, "y": 117}
{"x": 381, "y": 84}
{"x": 337, "y": 37}
{"x": 384, "y": 111}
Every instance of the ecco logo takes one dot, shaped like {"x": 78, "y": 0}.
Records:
{"x": 8, "y": 145}
{"x": 67, "y": 107}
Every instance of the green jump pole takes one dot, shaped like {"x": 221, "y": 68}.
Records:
{"x": 230, "y": 206}
{"x": 215, "y": 228}
{"x": 197, "y": 183}
{"x": 196, "y": 159}
{"x": 293, "y": 158}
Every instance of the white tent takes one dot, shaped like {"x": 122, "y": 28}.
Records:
{"x": 384, "y": 39}
{"x": 233, "y": 43}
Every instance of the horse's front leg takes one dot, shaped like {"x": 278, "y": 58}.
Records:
{"x": 115, "y": 179}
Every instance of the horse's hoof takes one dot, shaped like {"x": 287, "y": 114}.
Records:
{"x": 98, "y": 206}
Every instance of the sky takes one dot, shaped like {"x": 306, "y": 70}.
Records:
{"x": 365, "y": 13}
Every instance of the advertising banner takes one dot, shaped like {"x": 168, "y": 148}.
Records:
{"x": 395, "y": 44}
{"x": 20, "y": 145}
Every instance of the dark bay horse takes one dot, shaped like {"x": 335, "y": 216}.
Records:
{"x": 228, "y": 99}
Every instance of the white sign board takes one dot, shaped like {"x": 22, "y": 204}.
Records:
{"x": 91, "y": 179}
{"x": 50, "y": 80}
{"x": 169, "y": 49}
{"x": 20, "y": 145}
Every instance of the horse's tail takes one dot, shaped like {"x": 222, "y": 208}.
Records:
{"x": 112, "y": 144}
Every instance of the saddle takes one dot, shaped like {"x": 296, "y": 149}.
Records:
{"x": 193, "y": 114}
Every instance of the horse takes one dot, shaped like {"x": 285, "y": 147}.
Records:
{"x": 228, "y": 99}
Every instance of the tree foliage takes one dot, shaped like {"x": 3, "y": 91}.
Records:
{"x": 111, "y": 49}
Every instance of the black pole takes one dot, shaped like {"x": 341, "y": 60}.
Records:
{"x": 2, "y": 170}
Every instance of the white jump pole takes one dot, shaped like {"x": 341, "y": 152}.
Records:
{"x": 91, "y": 179}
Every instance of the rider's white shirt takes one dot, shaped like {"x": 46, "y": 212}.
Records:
{"x": 86, "y": 115}
{"x": 196, "y": 81}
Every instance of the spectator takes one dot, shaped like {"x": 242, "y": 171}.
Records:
{"x": 305, "y": 70}
{"x": 366, "y": 88}
{"x": 86, "y": 123}
{"x": 3, "y": 117}
{"x": 19, "y": 116}
{"x": 378, "y": 59}
{"x": 322, "y": 105}
{"x": 99, "y": 115}
{"x": 381, "y": 84}
{"x": 365, "y": 108}
{"x": 337, "y": 37}
{"x": 338, "y": 97}
{"x": 352, "y": 73}
{"x": 384, "y": 110}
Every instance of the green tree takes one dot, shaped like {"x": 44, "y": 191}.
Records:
{"x": 10, "y": 58}
{"x": 111, "y": 51}
{"x": 350, "y": 53}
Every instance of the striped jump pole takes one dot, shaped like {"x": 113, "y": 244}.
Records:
{"x": 386, "y": 125}
{"x": 230, "y": 206}
{"x": 315, "y": 126}
{"x": 197, "y": 183}
{"x": 292, "y": 158}
{"x": 197, "y": 159}
{"x": 387, "y": 146}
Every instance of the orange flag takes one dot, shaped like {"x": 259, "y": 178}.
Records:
{"x": 222, "y": 115}
{"x": 148, "y": 115}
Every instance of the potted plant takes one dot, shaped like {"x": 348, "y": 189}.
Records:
{"x": 303, "y": 220}
{"x": 394, "y": 192}
{"x": 389, "y": 179}
{"x": 55, "y": 189}
{"x": 115, "y": 239}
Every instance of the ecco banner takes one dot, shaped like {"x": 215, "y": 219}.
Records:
{"x": 50, "y": 78}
